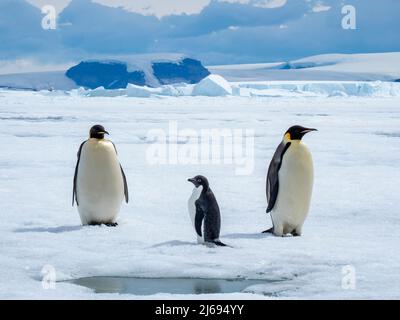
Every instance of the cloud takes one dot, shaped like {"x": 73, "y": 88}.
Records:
{"x": 160, "y": 8}
{"x": 59, "y": 5}
{"x": 107, "y": 30}
{"x": 20, "y": 30}
{"x": 223, "y": 31}
{"x": 320, "y": 7}
{"x": 304, "y": 33}
{"x": 220, "y": 15}
{"x": 260, "y": 3}
{"x": 157, "y": 7}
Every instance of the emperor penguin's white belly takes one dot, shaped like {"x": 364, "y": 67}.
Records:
{"x": 100, "y": 186}
{"x": 192, "y": 210}
{"x": 296, "y": 178}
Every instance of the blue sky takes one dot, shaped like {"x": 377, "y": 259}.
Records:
{"x": 215, "y": 31}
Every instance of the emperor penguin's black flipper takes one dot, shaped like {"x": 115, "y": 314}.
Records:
{"x": 74, "y": 192}
{"x": 272, "y": 186}
{"x": 126, "y": 192}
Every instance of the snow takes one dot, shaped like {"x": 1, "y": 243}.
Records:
{"x": 333, "y": 67}
{"x": 353, "y": 220}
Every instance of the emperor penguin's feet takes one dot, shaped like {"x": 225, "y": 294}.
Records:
{"x": 108, "y": 224}
{"x": 270, "y": 230}
{"x": 111, "y": 224}
{"x": 214, "y": 244}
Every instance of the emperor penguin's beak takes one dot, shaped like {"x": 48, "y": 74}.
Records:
{"x": 104, "y": 132}
{"x": 191, "y": 180}
{"x": 308, "y": 130}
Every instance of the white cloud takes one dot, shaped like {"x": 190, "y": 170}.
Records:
{"x": 157, "y": 7}
{"x": 320, "y": 7}
{"x": 60, "y": 5}
{"x": 160, "y": 8}
{"x": 269, "y": 3}
{"x": 260, "y": 3}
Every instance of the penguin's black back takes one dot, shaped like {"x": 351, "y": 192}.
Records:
{"x": 207, "y": 207}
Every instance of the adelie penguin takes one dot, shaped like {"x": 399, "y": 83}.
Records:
{"x": 99, "y": 181}
{"x": 290, "y": 183}
{"x": 204, "y": 212}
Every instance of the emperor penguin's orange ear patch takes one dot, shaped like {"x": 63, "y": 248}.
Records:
{"x": 287, "y": 136}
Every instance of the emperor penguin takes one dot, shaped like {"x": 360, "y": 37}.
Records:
{"x": 204, "y": 212}
{"x": 290, "y": 183}
{"x": 99, "y": 181}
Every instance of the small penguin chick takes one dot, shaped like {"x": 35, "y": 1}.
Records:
{"x": 204, "y": 212}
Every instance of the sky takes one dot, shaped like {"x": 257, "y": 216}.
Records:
{"x": 214, "y": 31}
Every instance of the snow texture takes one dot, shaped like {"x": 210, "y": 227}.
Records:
{"x": 353, "y": 220}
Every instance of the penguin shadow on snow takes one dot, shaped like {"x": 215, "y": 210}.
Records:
{"x": 251, "y": 236}
{"x": 61, "y": 229}
{"x": 173, "y": 243}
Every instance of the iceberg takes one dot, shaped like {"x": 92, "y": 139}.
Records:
{"x": 212, "y": 86}
{"x": 106, "y": 74}
{"x": 139, "y": 70}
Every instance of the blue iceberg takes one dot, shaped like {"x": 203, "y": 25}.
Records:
{"x": 140, "y": 70}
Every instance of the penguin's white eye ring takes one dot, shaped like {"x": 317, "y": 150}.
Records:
{"x": 198, "y": 180}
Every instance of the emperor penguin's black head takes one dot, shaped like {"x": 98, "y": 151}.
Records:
{"x": 199, "y": 181}
{"x": 97, "y": 132}
{"x": 297, "y": 132}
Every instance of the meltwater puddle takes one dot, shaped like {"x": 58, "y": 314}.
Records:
{"x": 150, "y": 286}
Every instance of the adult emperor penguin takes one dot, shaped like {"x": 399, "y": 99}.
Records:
{"x": 204, "y": 212}
{"x": 289, "y": 183}
{"x": 99, "y": 181}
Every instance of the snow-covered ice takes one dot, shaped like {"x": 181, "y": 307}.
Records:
{"x": 175, "y": 68}
{"x": 354, "y": 218}
{"x": 339, "y": 67}
{"x": 216, "y": 86}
